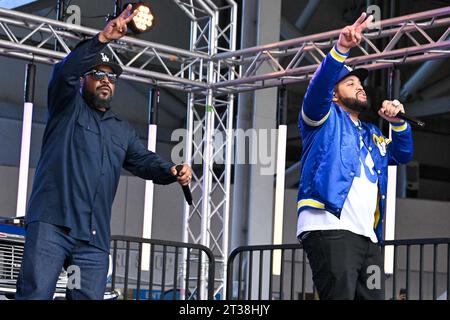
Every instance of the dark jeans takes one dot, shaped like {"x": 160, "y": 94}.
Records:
{"x": 47, "y": 249}
{"x": 345, "y": 266}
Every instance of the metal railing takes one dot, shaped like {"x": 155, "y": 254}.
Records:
{"x": 421, "y": 266}
{"x": 153, "y": 269}
{"x": 255, "y": 276}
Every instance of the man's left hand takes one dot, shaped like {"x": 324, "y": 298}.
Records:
{"x": 351, "y": 36}
{"x": 117, "y": 28}
{"x": 184, "y": 177}
{"x": 390, "y": 109}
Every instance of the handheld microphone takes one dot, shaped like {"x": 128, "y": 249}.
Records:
{"x": 410, "y": 119}
{"x": 186, "y": 189}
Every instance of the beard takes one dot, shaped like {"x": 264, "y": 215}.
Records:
{"x": 94, "y": 100}
{"x": 355, "y": 104}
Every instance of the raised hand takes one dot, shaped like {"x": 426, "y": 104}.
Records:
{"x": 351, "y": 35}
{"x": 117, "y": 28}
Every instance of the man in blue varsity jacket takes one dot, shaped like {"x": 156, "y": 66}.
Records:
{"x": 85, "y": 146}
{"x": 343, "y": 184}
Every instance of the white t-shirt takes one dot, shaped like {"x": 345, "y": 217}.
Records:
{"x": 358, "y": 212}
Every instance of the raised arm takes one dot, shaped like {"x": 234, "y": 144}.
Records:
{"x": 318, "y": 97}
{"x": 65, "y": 80}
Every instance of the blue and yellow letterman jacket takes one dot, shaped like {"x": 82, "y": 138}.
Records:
{"x": 331, "y": 147}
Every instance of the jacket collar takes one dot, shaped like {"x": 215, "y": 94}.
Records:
{"x": 111, "y": 114}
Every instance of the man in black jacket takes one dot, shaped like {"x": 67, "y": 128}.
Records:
{"x": 85, "y": 146}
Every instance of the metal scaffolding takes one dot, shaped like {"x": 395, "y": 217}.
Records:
{"x": 25, "y": 36}
{"x": 294, "y": 52}
{"x": 212, "y": 72}
{"x": 31, "y": 37}
{"x": 210, "y": 115}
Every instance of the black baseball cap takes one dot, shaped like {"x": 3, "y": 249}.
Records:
{"x": 103, "y": 58}
{"x": 347, "y": 71}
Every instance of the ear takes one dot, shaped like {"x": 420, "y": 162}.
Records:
{"x": 335, "y": 98}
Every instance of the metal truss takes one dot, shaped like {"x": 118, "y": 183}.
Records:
{"x": 210, "y": 115}
{"x": 407, "y": 38}
{"x": 32, "y": 38}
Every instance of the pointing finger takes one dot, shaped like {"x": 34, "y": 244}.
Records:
{"x": 131, "y": 16}
{"x": 360, "y": 20}
{"x": 125, "y": 13}
{"x": 366, "y": 23}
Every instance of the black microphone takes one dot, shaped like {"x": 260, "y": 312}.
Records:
{"x": 410, "y": 119}
{"x": 186, "y": 189}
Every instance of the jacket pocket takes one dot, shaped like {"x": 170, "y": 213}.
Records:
{"x": 119, "y": 148}
{"x": 118, "y": 142}
{"x": 87, "y": 134}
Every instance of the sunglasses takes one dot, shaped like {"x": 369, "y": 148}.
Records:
{"x": 98, "y": 75}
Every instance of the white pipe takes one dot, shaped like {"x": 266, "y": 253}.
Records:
{"x": 148, "y": 203}
{"x": 279, "y": 197}
{"x": 390, "y": 215}
{"x": 24, "y": 159}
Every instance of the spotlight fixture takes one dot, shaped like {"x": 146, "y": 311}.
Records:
{"x": 144, "y": 20}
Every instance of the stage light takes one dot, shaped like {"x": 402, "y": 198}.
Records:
{"x": 144, "y": 20}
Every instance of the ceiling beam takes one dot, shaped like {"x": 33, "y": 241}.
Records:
{"x": 438, "y": 88}
{"x": 306, "y": 14}
{"x": 429, "y": 107}
{"x": 29, "y": 6}
{"x": 14, "y": 4}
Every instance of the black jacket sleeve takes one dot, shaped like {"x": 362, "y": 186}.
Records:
{"x": 65, "y": 80}
{"x": 146, "y": 164}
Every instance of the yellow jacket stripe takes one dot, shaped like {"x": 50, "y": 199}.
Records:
{"x": 399, "y": 127}
{"x": 337, "y": 56}
{"x": 310, "y": 203}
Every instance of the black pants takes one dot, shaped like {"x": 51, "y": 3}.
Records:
{"x": 345, "y": 266}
